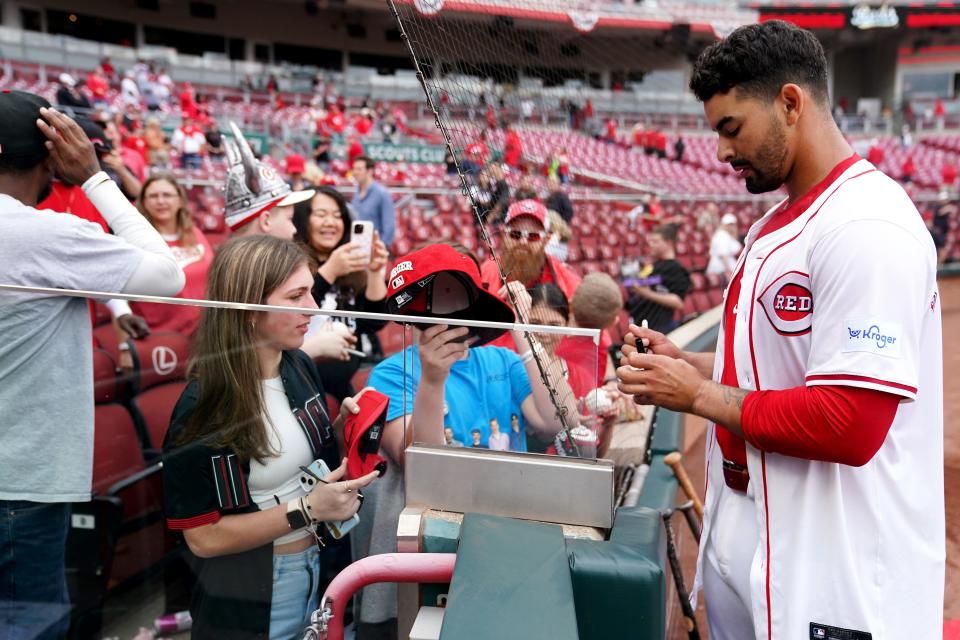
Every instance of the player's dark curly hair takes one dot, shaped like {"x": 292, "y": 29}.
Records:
{"x": 759, "y": 59}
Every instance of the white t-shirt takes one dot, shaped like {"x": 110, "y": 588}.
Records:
{"x": 724, "y": 249}
{"x": 192, "y": 141}
{"x": 845, "y": 294}
{"x": 280, "y": 475}
{"x": 46, "y": 359}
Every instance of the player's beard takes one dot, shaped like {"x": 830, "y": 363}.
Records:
{"x": 767, "y": 167}
{"x": 523, "y": 263}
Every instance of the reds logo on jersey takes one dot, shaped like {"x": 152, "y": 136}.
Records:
{"x": 788, "y": 304}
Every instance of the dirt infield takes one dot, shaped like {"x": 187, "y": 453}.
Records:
{"x": 950, "y": 299}
{"x": 693, "y": 460}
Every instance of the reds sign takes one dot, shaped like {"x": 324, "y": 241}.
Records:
{"x": 788, "y": 304}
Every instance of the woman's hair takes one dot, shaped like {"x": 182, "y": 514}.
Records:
{"x": 301, "y": 221}
{"x": 552, "y": 296}
{"x": 230, "y": 405}
{"x": 184, "y": 218}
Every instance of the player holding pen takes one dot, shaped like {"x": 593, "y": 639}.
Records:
{"x": 824, "y": 513}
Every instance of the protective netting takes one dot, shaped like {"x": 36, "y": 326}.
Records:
{"x": 516, "y": 90}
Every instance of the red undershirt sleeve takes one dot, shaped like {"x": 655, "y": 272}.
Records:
{"x": 830, "y": 423}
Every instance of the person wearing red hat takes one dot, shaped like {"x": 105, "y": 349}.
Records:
{"x": 295, "y": 167}
{"x": 523, "y": 239}
{"x": 448, "y": 380}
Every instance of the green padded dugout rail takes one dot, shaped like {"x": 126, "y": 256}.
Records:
{"x": 512, "y": 580}
{"x": 619, "y": 585}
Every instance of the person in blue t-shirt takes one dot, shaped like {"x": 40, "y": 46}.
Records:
{"x": 447, "y": 383}
{"x": 490, "y": 382}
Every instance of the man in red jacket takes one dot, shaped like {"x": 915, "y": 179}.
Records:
{"x": 523, "y": 242}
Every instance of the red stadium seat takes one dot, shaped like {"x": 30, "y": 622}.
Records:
{"x": 104, "y": 377}
{"x": 101, "y": 314}
{"x": 158, "y": 358}
{"x": 714, "y": 281}
{"x": 698, "y": 281}
{"x": 105, "y": 337}
{"x": 715, "y": 296}
{"x": 700, "y": 301}
{"x": 152, "y": 410}
{"x": 116, "y": 447}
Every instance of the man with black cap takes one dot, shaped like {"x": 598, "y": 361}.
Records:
{"x": 66, "y": 197}
{"x": 46, "y": 429}
{"x": 447, "y": 380}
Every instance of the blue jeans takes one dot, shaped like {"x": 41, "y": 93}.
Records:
{"x": 190, "y": 161}
{"x": 296, "y": 593}
{"x": 34, "y": 602}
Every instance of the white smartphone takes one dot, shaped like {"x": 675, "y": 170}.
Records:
{"x": 361, "y": 232}
{"x": 314, "y": 473}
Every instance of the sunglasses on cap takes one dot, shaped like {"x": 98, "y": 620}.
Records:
{"x": 526, "y": 236}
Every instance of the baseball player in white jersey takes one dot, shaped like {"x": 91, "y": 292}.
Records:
{"x": 824, "y": 513}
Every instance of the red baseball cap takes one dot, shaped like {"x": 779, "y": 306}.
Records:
{"x": 531, "y": 209}
{"x": 439, "y": 281}
{"x": 363, "y": 432}
{"x": 295, "y": 163}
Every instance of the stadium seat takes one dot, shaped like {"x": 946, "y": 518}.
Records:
{"x": 698, "y": 282}
{"x": 152, "y": 409}
{"x": 104, "y": 377}
{"x": 108, "y": 541}
{"x": 159, "y": 373}
{"x": 101, "y": 314}
{"x": 160, "y": 357}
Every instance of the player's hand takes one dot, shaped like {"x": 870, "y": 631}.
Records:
{"x": 667, "y": 382}
{"x": 440, "y": 347}
{"x": 330, "y": 344}
{"x": 73, "y": 155}
{"x": 342, "y": 261}
{"x": 654, "y": 341}
{"x": 338, "y": 499}
{"x": 378, "y": 254}
{"x": 134, "y": 326}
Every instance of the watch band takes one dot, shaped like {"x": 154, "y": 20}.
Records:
{"x": 296, "y": 519}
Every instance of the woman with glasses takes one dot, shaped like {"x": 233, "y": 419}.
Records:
{"x": 345, "y": 278}
{"x": 163, "y": 202}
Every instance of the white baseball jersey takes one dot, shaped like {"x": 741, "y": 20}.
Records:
{"x": 845, "y": 294}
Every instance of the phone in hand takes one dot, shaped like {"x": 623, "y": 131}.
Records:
{"x": 313, "y": 475}
{"x": 361, "y": 232}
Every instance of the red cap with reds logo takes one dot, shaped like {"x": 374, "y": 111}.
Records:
{"x": 363, "y": 432}
{"x": 439, "y": 281}
{"x": 531, "y": 209}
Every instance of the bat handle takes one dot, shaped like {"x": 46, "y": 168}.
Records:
{"x": 673, "y": 460}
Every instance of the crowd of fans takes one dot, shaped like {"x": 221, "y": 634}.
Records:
{"x": 293, "y": 245}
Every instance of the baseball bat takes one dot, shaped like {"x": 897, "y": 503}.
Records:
{"x": 693, "y": 632}
{"x": 672, "y": 460}
{"x": 692, "y": 521}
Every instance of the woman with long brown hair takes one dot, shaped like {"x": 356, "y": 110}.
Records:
{"x": 252, "y": 416}
{"x": 163, "y": 202}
